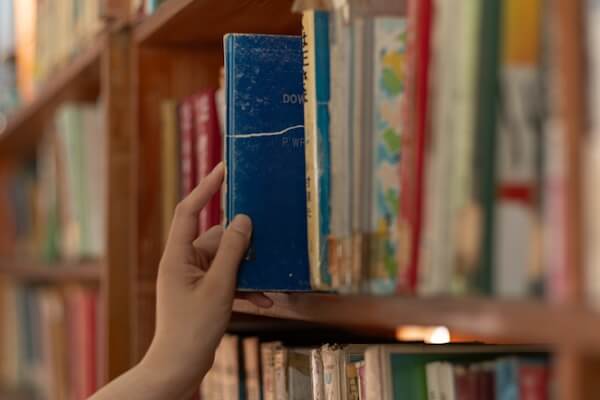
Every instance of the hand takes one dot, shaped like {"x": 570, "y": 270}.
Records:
{"x": 195, "y": 289}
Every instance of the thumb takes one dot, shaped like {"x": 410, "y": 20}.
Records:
{"x": 222, "y": 274}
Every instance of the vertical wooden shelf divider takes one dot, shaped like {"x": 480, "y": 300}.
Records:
{"x": 116, "y": 87}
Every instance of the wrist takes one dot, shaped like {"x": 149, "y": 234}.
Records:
{"x": 171, "y": 373}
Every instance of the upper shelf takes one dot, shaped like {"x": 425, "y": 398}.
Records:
{"x": 491, "y": 319}
{"x": 79, "y": 80}
{"x": 196, "y": 22}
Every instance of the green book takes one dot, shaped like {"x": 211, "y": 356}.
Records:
{"x": 485, "y": 139}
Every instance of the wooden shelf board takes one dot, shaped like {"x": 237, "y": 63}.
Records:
{"x": 494, "y": 320}
{"x": 78, "y": 80}
{"x": 195, "y": 22}
{"x": 28, "y": 271}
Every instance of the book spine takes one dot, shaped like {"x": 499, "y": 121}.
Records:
{"x": 208, "y": 149}
{"x": 280, "y": 372}
{"x": 252, "y": 368}
{"x": 352, "y": 385}
{"x": 313, "y": 144}
{"x": 316, "y": 373}
{"x": 170, "y": 171}
{"x": 331, "y": 373}
{"x": 372, "y": 374}
{"x": 268, "y": 372}
{"x": 518, "y": 217}
{"x": 188, "y": 147}
{"x": 533, "y": 381}
{"x": 433, "y": 382}
{"x": 485, "y": 141}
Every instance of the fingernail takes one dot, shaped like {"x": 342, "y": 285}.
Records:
{"x": 242, "y": 224}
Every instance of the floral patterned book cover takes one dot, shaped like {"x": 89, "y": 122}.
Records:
{"x": 389, "y": 47}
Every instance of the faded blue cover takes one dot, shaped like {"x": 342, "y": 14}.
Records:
{"x": 265, "y": 158}
{"x": 507, "y": 379}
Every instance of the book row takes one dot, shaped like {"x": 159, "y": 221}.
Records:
{"x": 36, "y": 39}
{"x": 50, "y": 339}
{"x": 432, "y": 160}
{"x": 53, "y": 206}
{"x": 246, "y": 368}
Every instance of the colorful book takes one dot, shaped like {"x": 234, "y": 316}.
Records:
{"x": 315, "y": 43}
{"x": 389, "y": 43}
{"x": 265, "y": 161}
{"x": 517, "y": 269}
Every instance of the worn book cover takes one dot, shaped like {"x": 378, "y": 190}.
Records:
{"x": 315, "y": 43}
{"x": 265, "y": 164}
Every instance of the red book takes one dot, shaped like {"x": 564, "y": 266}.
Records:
{"x": 412, "y": 165}
{"x": 465, "y": 383}
{"x": 208, "y": 150}
{"x": 533, "y": 381}
{"x": 188, "y": 146}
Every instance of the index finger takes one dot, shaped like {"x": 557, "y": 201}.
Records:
{"x": 184, "y": 228}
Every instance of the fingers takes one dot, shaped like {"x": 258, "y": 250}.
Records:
{"x": 184, "y": 228}
{"x": 258, "y": 299}
{"x": 208, "y": 243}
{"x": 222, "y": 274}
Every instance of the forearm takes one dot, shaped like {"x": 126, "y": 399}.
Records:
{"x": 144, "y": 383}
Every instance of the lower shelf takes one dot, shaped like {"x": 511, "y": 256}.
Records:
{"x": 487, "y": 319}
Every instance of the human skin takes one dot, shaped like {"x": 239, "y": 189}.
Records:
{"x": 195, "y": 292}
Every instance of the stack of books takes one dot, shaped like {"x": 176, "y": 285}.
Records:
{"x": 53, "y": 207}
{"x": 50, "y": 342}
{"x": 246, "y": 368}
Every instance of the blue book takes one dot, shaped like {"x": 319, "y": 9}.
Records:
{"x": 265, "y": 158}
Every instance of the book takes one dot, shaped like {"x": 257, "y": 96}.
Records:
{"x": 332, "y": 380}
{"x": 340, "y": 238}
{"x": 299, "y": 382}
{"x": 208, "y": 151}
{"x": 187, "y": 147}
{"x": 412, "y": 165}
{"x": 281, "y": 373}
{"x": 316, "y": 69}
{"x": 316, "y": 374}
{"x": 267, "y": 359}
{"x": 389, "y": 41}
{"x": 170, "y": 191}
{"x": 485, "y": 141}
{"x": 265, "y": 166}
{"x": 251, "y": 350}
{"x": 517, "y": 270}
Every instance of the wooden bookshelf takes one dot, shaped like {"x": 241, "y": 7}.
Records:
{"x": 78, "y": 80}
{"x": 62, "y": 272}
{"x": 198, "y": 22}
{"x": 133, "y": 65}
{"x": 491, "y": 320}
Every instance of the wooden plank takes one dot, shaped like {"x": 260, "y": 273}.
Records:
{"x": 569, "y": 59}
{"x": 79, "y": 80}
{"x": 513, "y": 321}
{"x": 202, "y": 21}
{"x": 63, "y": 272}
{"x": 121, "y": 221}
